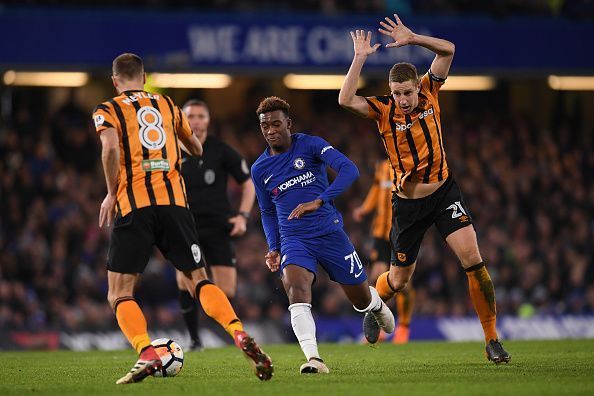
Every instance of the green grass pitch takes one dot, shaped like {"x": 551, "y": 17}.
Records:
{"x": 419, "y": 368}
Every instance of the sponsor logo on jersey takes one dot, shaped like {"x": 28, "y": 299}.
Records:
{"x": 301, "y": 180}
{"x": 299, "y": 163}
{"x": 267, "y": 179}
{"x": 99, "y": 120}
{"x": 155, "y": 165}
{"x": 404, "y": 127}
{"x": 401, "y": 257}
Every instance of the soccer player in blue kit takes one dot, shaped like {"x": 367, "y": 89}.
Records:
{"x": 303, "y": 227}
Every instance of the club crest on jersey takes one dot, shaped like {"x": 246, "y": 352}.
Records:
{"x": 299, "y": 163}
{"x": 209, "y": 176}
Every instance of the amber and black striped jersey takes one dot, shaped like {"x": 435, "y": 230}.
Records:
{"x": 413, "y": 142}
{"x": 148, "y": 125}
{"x": 379, "y": 199}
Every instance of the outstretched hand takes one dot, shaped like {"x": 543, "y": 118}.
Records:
{"x": 305, "y": 208}
{"x": 400, "y": 34}
{"x": 362, "y": 44}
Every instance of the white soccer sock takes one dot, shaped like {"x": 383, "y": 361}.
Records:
{"x": 374, "y": 304}
{"x": 304, "y": 328}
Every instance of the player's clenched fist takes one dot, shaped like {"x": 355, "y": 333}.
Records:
{"x": 273, "y": 260}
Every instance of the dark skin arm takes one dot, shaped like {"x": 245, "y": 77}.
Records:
{"x": 305, "y": 208}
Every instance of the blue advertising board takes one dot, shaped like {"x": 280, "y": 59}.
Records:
{"x": 256, "y": 43}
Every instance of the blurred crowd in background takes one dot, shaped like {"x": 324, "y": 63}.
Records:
{"x": 530, "y": 191}
{"x": 576, "y": 9}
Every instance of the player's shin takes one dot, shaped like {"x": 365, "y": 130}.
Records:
{"x": 189, "y": 310}
{"x": 383, "y": 286}
{"x": 217, "y": 306}
{"x": 482, "y": 295}
{"x": 304, "y": 328}
{"x": 132, "y": 322}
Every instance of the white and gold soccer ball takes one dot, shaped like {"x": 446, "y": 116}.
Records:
{"x": 172, "y": 357}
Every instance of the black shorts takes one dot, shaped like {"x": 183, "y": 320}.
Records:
{"x": 213, "y": 234}
{"x": 382, "y": 251}
{"x": 412, "y": 218}
{"x": 170, "y": 228}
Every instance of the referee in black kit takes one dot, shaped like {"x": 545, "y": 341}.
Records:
{"x": 206, "y": 186}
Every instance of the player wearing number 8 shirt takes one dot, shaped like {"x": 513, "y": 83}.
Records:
{"x": 139, "y": 134}
{"x": 303, "y": 227}
{"x": 409, "y": 124}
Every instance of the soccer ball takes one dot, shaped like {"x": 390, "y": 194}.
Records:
{"x": 172, "y": 357}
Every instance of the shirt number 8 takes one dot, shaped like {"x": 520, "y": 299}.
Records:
{"x": 151, "y": 133}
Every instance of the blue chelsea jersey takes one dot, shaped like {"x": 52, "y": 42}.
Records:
{"x": 296, "y": 176}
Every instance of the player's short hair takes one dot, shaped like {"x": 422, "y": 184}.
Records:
{"x": 196, "y": 102}
{"x": 402, "y": 72}
{"x": 273, "y": 103}
{"x": 128, "y": 66}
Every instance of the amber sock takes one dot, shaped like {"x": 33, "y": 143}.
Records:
{"x": 482, "y": 295}
{"x": 405, "y": 302}
{"x": 216, "y": 305}
{"x": 382, "y": 285}
{"x": 132, "y": 322}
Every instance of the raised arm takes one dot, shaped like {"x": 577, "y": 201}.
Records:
{"x": 347, "y": 97}
{"x": 443, "y": 49}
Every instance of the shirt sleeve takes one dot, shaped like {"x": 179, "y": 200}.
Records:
{"x": 103, "y": 117}
{"x": 377, "y": 106}
{"x": 432, "y": 83}
{"x": 236, "y": 165}
{"x": 183, "y": 125}
{"x": 347, "y": 171}
{"x": 268, "y": 213}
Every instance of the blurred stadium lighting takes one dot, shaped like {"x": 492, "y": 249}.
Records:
{"x": 46, "y": 79}
{"x": 189, "y": 80}
{"x": 469, "y": 83}
{"x": 316, "y": 81}
{"x": 571, "y": 83}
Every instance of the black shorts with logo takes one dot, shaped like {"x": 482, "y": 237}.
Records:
{"x": 171, "y": 228}
{"x": 382, "y": 251}
{"x": 412, "y": 218}
{"x": 213, "y": 234}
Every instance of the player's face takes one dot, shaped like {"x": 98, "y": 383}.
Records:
{"x": 276, "y": 128}
{"x": 199, "y": 118}
{"x": 406, "y": 95}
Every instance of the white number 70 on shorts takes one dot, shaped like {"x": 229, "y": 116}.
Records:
{"x": 354, "y": 257}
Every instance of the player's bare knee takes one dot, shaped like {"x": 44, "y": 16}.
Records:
{"x": 299, "y": 293}
{"x": 112, "y": 299}
{"x": 470, "y": 258}
{"x": 398, "y": 284}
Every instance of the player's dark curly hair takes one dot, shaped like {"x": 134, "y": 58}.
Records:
{"x": 273, "y": 103}
{"x": 128, "y": 66}
{"x": 402, "y": 72}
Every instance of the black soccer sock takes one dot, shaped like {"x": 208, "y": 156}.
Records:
{"x": 189, "y": 310}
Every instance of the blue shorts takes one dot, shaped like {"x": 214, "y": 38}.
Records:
{"x": 333, "y": 251}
